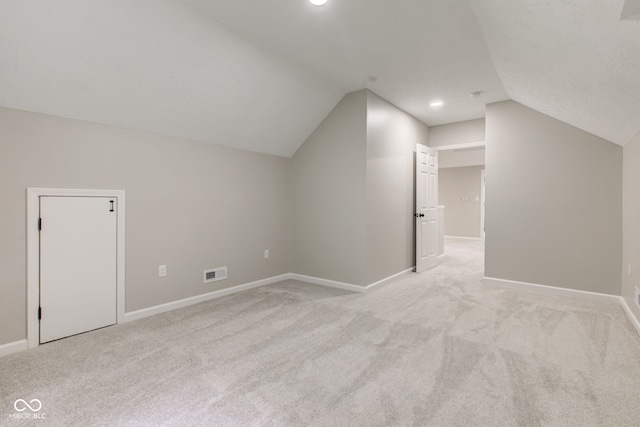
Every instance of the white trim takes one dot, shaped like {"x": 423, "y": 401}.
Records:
{"x": 550, "y": 289}
{"x": 463, "y": 238}
{"x": 483, "y": 197}
{"x": 348, "y": 286}
{"x": 33, "y": 251}
{"x": 569, "y": 292}
{"x": 460, "y": 146}
{"x": 162, "y": 308}
{"x": 632, "y": 317}
{"x": 329, "y": 283}
{"x": 441, "y": 257}
{"x": 13, "y": 347}
{"x": 390, "y": 278}
{"x": 18, "y": 346}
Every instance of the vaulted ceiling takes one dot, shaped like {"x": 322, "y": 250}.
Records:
{"x": 261, "y": 75}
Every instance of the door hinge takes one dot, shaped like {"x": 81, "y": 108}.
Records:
{"x": 39, "y": 223}
{"x": 39, "y": 313}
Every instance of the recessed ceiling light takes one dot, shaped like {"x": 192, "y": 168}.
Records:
{"x": 436, "y": 104}
{"x": 318, "y": 2}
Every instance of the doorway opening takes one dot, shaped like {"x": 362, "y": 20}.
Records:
{"x": 462, "y": 194}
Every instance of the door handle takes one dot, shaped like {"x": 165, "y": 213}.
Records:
{"x": 418, "y": 215}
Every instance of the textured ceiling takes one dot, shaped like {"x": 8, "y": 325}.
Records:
{"x": 261, "y": 75}
{"x": 574, "y": 60}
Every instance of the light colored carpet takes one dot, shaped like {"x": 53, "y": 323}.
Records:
{"x": 437, "y": 349}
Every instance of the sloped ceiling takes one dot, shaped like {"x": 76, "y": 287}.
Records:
{"x": 410, "y": 52}
{"x": 261, "y": 75}
{"x": 155, "y": 66}
{"x": 574, "y": 60}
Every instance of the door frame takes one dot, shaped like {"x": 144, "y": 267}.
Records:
{"x": 33, "y": 251}
{"x": 482, "y": 197}
{"x": 461, "y": 146}
{"x": 464, "y": 146}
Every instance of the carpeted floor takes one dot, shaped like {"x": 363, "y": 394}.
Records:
{"x": 437, "y": 349}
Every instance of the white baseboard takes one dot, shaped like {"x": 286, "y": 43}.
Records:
{"x": 13, "y": 347}
{"x": 570, "y": 292}
{"x": 551, "y": 289}
{"x": 22, "y": 345}
{"x": 327, "y": 282}
{"x": 390, "y": 278}
{"x": 162, "y": 308}
{"x": 348, "y": 286}
{"x": 632, "y": 317}
{"x": 463, "y": 238}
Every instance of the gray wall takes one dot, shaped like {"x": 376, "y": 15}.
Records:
{"x": 392, "y": 135}
{"x": 553, "y": 202}
{"x": 329, "y": 196}
{"x": 457, "y": 133}
{"x": 189, "y": 205}
{"x": 631, "y": 222}
{"x": 353, "y": 193}
{"x": 461, "y": 218}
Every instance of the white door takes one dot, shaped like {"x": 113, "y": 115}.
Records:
{"x": 77, "y": 265}
{"x": 427, "y": 208}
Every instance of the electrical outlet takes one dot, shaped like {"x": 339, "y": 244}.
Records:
{"x": 266, "y": 254}
{"x": 637, "y": 297}
{"x": 162, "y": 271}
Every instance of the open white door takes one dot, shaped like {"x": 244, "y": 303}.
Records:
{"x": 427, "y": 208}
{"x": 77, "y": 265}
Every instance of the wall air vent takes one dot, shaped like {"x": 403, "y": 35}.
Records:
{"x": 215, "y": 274}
